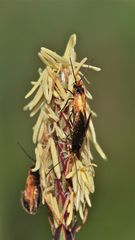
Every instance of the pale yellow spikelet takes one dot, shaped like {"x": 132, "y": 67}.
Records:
{"x": 60, "y": 88}
{"x": 36, "y": 85}
{"x": 85, "y": 179}
{"x": 37, "y": 107}
{"x": 93, "y": 133}
{"x": 87, "y": 151}
{"x": 41, "y": 131}
{"x": 54, "y": 208}
{"x": 64, "y": 103}
{"x": 65, "y": 208}
{"x": 97, "y": 69}
{"x": 33, "y": 82}
{"x": 78, "y": 198}
{"x": 55, "y": 94}
{"x": 70, "y": 46}
{"x": 51, "y": 72}
{"x": 50, "y": 86}
{"x": 75, "y": 183}
{"x": 70, "y": 174}
{"x": 48, "y": 60}
{"x": 43, "y": 59}
{"x": 36, "y": 99}
{"x": 79, "y": 65}
{"x": 70, "y": 210}
{"x": 43, "y": 180}
{"x": 100, "y": 151}
{"x": 54, "y": 55}
{"x": 45, "y": 84}
{"x": 26, "y": 107}
{"x": 46, "y": 152}
{"x": 81, "y": 212}
{"x": 98, "y": 148}
{"x": 38, "y": 153}
{"x": 59, "y": 131}
{"x": 49, "y": 189}
{"x": 82, "y": 189}
{"x": 55, "y": 159}
{"x": 87, "y": 196}
{"x": 71, "y": 81}
{"x": 37, "y": 127}
{"x": 82, "y": 193}
{"x": 90, "y": 182}
{"x": 50, "y": 113}
{"x": 86, "y": 157}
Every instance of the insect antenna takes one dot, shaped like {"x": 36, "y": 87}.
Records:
{"x": 25, "y": 152}
{"x": 83, "y": 76}
{"x": 54, "y": 167}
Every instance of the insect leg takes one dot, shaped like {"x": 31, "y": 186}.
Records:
{"x": 70, "y": 91}
{"x": 53, "y": 167}
{"x": 66, "y": 104}
{"x": 69, "y": 119}
{"x": 88, "y": 120}
{"x": 22, "y": 148}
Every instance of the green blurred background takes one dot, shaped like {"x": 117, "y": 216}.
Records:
{"x": 105, "y": 32}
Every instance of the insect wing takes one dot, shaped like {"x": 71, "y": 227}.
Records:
{"x": 78, "y": 132}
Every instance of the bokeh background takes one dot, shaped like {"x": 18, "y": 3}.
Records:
{"x": 105, "y": 32}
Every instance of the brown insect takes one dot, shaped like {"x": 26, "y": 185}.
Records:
{"x": 30, "y": 198}
{"x": 80, "y": 121}
{"x": 31, "y": 195}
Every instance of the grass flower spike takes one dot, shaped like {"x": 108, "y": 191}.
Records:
{"x": 62, "y": 135}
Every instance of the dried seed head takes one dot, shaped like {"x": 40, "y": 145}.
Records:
{"x": 66, "y": 178}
